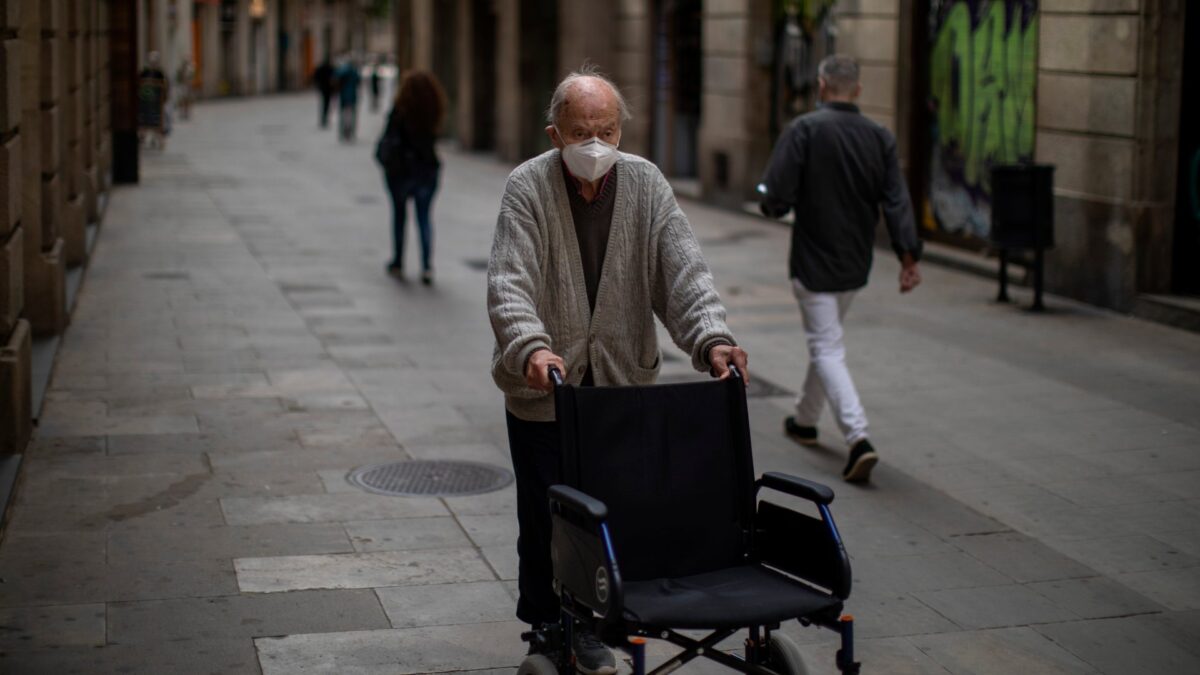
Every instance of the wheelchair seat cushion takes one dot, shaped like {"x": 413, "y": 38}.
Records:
{"x": 727, "y": 598}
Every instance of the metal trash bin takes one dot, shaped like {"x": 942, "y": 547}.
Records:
{"x": 1023, "y": 218}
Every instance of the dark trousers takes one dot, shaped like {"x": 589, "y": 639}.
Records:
{"x": 420, "y": 188}
{"x": 535, "y": 448}
{"x": 348, "y": 119}
{"x": 326, "y": 99}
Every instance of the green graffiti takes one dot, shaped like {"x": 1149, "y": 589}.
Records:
{"x": 983, "y": 74}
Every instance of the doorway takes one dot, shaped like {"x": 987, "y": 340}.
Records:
{"x": 483, "y": 74}
{"x": 285, "y": 43}
{"x": 445, "y": 60}
{"x": 1185, "y": 267}
{"x": 677, "y": 86}
{"x": 538, "y": 70}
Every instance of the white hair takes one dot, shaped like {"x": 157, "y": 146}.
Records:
{"x": 587, "y": 70}
{"x": 840, "y": 73}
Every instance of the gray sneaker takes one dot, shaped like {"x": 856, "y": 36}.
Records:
{"x": 591, "y": 656}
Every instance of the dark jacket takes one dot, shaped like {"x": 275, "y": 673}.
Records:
{"x": 837, "y": 170}
{"x": 414, "y": 153}
{"x": 323, "y": 78}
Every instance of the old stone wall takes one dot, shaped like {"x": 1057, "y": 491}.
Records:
{"x": 55, "y": 159}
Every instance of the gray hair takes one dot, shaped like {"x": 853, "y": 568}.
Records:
{"x": 587, "y": 70}
{"x": 839, "y": 72}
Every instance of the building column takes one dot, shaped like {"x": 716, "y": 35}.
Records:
{"x": 103, "y": 96}
{"x": 733, "y": 143}
{"x": 45, "y": 269}
{"x": 15, "y": 335}
{"x": 631, "y": 70}
{"x": 74, "y": 227}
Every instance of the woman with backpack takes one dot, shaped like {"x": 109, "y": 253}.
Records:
{"x": 410, "y": 164}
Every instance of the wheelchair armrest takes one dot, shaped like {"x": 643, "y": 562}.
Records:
{"x": 797, "y": 487}
{"x": 593, "y": 509}
{"x": 581, "y": 551}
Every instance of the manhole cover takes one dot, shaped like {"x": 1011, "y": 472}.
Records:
{"x": 433, "y": 478}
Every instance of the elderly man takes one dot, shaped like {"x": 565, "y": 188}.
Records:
{"x": 837, "y": 170}
{"x": 590, "y": 246}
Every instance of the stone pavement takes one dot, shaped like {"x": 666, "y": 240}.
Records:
{"x": 238, "y": 348}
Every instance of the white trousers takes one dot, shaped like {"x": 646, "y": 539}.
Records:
{"x": 827, "y": 377}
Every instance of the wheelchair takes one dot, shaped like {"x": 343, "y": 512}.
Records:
{"x": 658, "y": 528}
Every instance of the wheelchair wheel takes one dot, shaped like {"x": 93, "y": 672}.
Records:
{"x": 537, "y": 664}
{"x": 785, "y": 656}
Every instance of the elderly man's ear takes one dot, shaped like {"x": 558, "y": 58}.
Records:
{"x": 552, "y": 133}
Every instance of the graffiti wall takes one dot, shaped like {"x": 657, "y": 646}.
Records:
{"x": 983, "y": 75}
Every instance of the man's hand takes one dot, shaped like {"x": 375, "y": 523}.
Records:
{"x": 537, "y": 369}
{"x": 720, "y": 356}
{"x": 910, "y": 274}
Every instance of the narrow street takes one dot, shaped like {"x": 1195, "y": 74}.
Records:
{"x": 238, "y": 348}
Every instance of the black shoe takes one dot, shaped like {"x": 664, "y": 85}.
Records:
{"x": 395, "y": 270}
{"x": 802, "y": 435}
{"x": 545, "y": 639}
{"x": 862, "y": 460}
{"x": 427, "y": 277}
{"x": 591, "y": 656}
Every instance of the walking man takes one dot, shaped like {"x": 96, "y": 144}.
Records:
{"x": 348, "y": 82}
{"x": 590, "y": 246}
{"x": 837, "y": 170}
{"x": 323, "y": 79}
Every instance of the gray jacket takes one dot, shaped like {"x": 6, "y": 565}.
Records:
{"x": 537, "y": 297}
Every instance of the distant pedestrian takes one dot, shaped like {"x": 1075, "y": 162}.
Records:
{"x": 376, "y": 84}
{"x": 153, "y": 90}
{"x": 184, "y": 75}
{"x": 323, "y": 79}
{"x": 410, "y": 163}
{"x": 349, "y": 80}
{"x": 836, "y": 170}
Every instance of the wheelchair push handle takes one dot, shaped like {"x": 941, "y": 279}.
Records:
{"x": 556, "y": 376}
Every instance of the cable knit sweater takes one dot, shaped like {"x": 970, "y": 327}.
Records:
{"x": 537, "y": 297}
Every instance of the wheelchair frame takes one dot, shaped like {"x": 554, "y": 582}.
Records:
{"x": 596, "y": 599}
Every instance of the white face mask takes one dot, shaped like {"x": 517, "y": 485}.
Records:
{"x": 589, "y": 159}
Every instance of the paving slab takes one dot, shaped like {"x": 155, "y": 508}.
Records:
{"x": 395, "y": 652}
{"x": 995, "y": 606}
{"x": 1002, "y": 652}
{"x": 52, "y": 627}
{"x": 446, "y": 604}
{"x": 182, "y": 657}
{"x": 253, "y": 615}
{"x": 1096, "y": 597}
{"x": 406, "y": 534}
{"x": 361, "y": 570}
{"x": 324, "y": 508}
{"x": 1125, "y": 644}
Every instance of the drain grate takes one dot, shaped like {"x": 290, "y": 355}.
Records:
{"x": 430, "y": 478}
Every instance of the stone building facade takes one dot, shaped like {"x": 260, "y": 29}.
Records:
{"x": 56, "y": 156}
{"x": 1091, "y": 86}
{"x": 246, "y": 47}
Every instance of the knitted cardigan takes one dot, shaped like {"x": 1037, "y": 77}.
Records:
{"x": 537, "y": 298}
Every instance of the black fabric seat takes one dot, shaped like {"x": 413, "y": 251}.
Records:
{"x": 727, "y": 598}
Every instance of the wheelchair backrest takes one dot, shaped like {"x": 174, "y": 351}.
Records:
{"x": 672, "y": 463}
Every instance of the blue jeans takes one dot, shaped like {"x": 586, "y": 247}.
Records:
{"x": 420, "y": 188}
